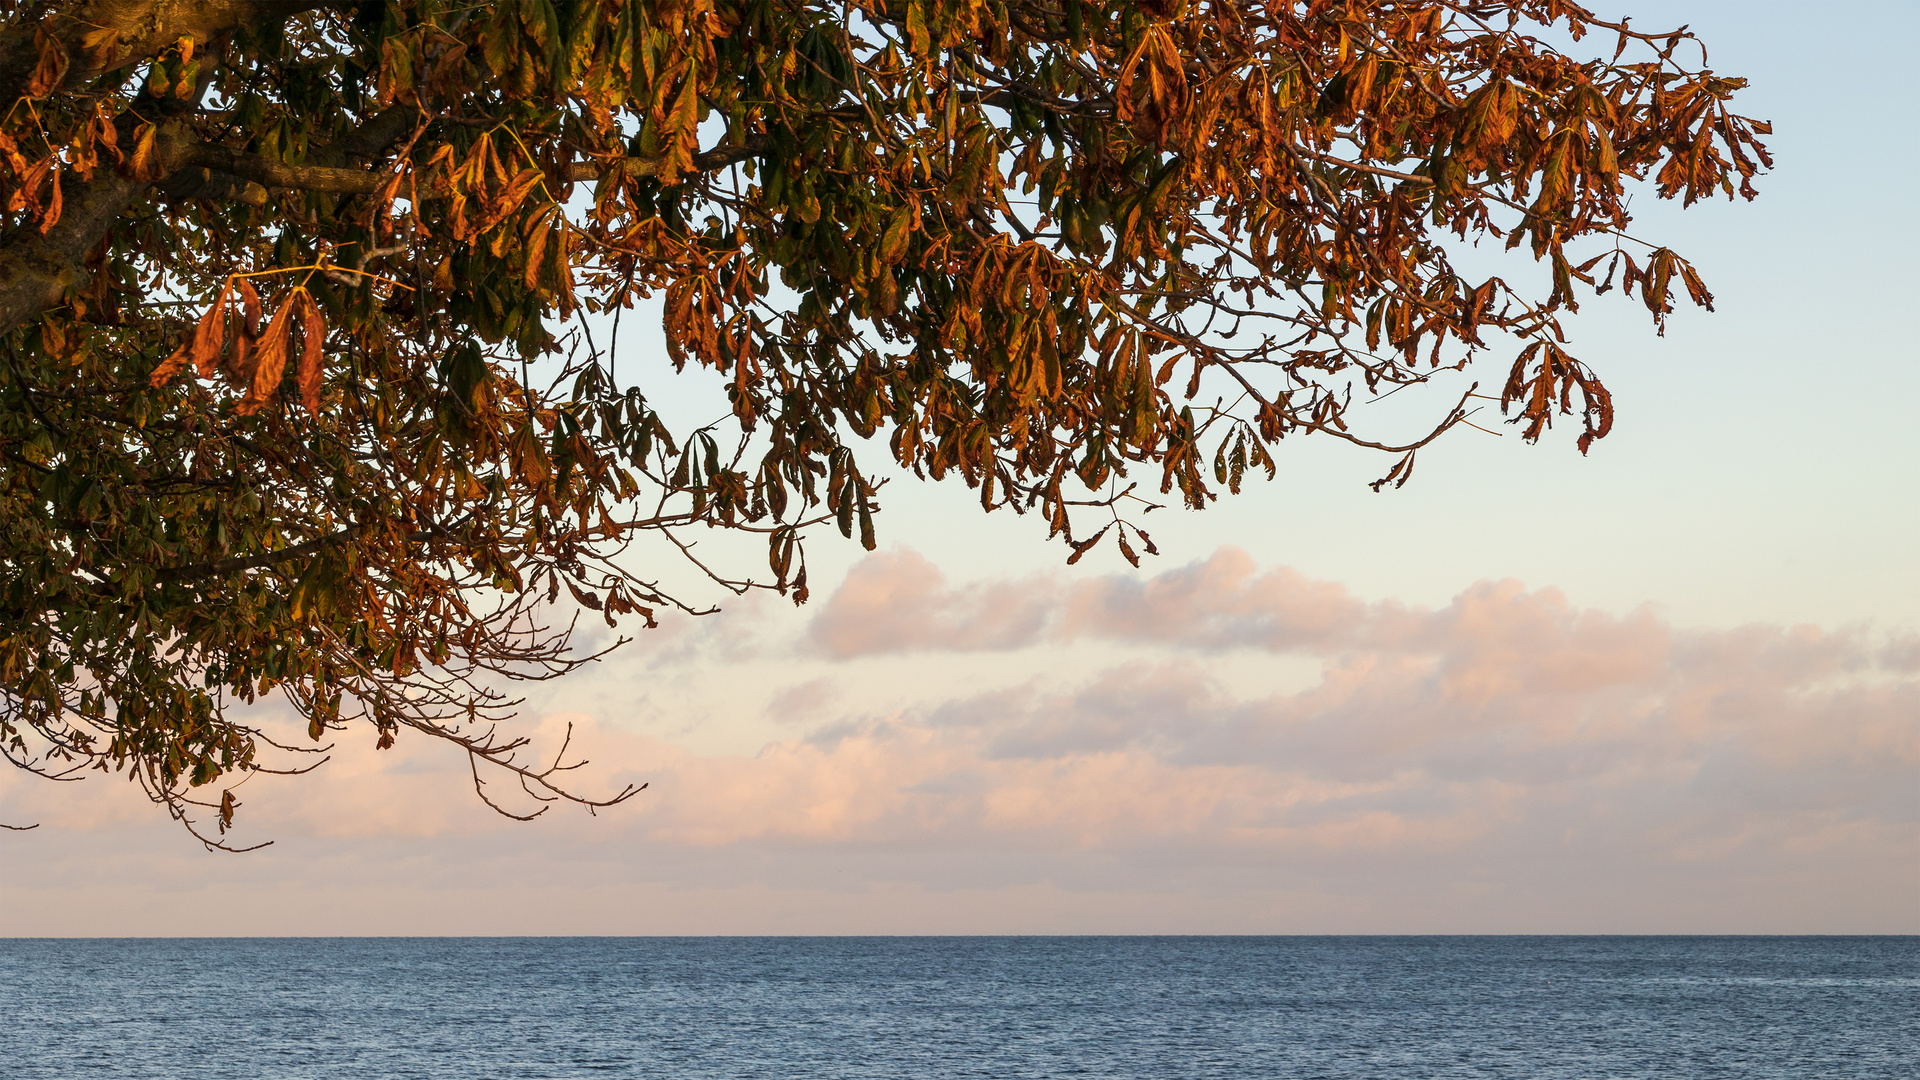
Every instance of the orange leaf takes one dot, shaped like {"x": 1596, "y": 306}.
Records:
{"x": 100, "y": 45}
{"x": 270, "y": 361}
{"x": 146, "y": 167}
{"x": 27, "y": 194}
{"x": 245, "y": 329}
{"x": 51, "y": 70}
{"x": 250, "y": 301}
{"x": 52, "y": 213}
{"x": 313, "y": 335}
{"x": 388, "y": 191}
{"x": 11, "y": 151}
{"x": 536, "y": 247}
{"x": 171, "y": 366}
{"x": 210, "y": 335}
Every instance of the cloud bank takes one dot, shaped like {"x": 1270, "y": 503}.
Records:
{"x": 1508, "y": 761}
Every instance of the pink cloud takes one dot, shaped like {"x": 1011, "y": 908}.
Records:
{"x": 1219, "y": 603}
{"x": 899, "y": 602}
{"x": 1507, "y": 752}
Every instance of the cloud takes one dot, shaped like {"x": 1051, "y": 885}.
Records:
{"x": 1506, "y": 761}
{"x": 899, "y": 602}
{"x": 1220, "y": 603}
{"x": 1472, "y": 724}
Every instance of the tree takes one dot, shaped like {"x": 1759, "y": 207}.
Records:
{"x": 307, "y": 389}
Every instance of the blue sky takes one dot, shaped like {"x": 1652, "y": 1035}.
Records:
{"x": 1763, "y": 462}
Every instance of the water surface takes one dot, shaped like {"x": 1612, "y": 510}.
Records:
{"x": 802, "y": 1008}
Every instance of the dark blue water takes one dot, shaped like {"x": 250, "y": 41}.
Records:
{"x": 1165, "y": 1008}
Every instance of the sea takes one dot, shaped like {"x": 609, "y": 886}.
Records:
{"x": 942, "y": 1008}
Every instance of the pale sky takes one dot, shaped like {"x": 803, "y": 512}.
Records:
{"x": 1673, "y": 686}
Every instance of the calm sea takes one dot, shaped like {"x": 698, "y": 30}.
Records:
{"x": 1165, "y": 1008}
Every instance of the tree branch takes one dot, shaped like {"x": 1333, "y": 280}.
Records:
{"x": 350, "y": 181}
{"x": 144, "y": 28}
{"x": 196, "y": 571}
{"x": 37, "y": 271}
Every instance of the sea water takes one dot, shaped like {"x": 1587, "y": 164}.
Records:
{"x": 939, "y": 1008}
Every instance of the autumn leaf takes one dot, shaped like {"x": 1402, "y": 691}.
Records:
{"x": 173, "y": 365}
{"x": 893, "y": 243}
{"x": 210, "y": 334}
{"x": 146, "y": 165}
{"x": 100, "y": 45}
{"x": 51, "y": 214}
{"x": 270, "y": 358}
{"x": 242, "y": 332}
{"x": 50, "y": 68}
{"x": 313, "y": 335}
{"x": 10, "y": 150}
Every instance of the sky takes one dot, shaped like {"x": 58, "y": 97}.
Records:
{"x": 1673, "y": 686}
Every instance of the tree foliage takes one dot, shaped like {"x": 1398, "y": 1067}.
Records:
{"x": 302, "y": 394}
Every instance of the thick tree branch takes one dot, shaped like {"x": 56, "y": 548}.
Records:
{"x": 36, "y": 271}
{"x": 144, "y": 29}
{"x": 238, "y": 563}
{"x": 349, "y": 181}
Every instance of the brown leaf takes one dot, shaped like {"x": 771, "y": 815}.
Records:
{"x": 51, "y": 69}
{"x": 11, "y": 151}
{"x": 244, "y": 326}
{"x": 389, "y": 191}
{"x": 1081, "y": 547}
{"x": 506, "y": 198}
{"x": 560, "y": 254}
{"x": 250, "y": 301}
{"x": 171, "y": 366}
{"x": 27, "y": 195}
{"x": 270, "y": 361}
{"x": 100, "y": 45}
{"x": 210, "y": 335}
{"x": 52, "y": 212}
{"x": 313, "y": 336}
{"x": 529, "y": 457}
{"x": 146, "y": 163}
{"x": 586, "y": 598}
{"x": 536, "y": 247}
{"x": 239, "y": 363}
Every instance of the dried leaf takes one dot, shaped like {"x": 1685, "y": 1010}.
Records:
{"x": 146, "y": 164}
{"x": 1081, "y": 547}
{"x": 170, "y": 367}
{"x": 313, "y": 336}
{"x": 50, "y": 70}
{"x": 51, "y": 213}
{"x": 250, "y": 301}
{"x": 209, "y": 336}
{"x": 586, "y": 598}
{"x": 27, "y": 195}
{"x": 270, "y": 360}
{"x": 536, "y": 247}
{"x": 100, "y": 45}
{"x": 11, "y": 152}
